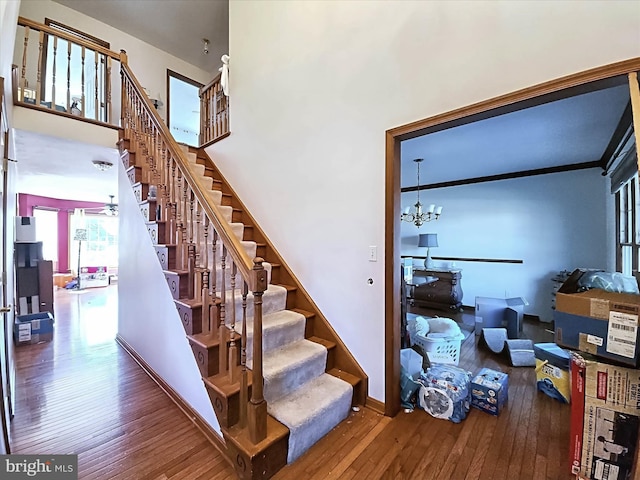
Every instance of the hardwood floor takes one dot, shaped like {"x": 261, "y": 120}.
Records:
{"x": 83, "y": 394}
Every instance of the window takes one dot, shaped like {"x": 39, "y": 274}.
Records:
{"x": 47, "y": 233}
{"x": 628, "y": 220}
{"x": 101, "y": 245}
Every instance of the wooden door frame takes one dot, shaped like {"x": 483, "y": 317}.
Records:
{"x": 520, "y": 99}
{"x": 182, "y": 78}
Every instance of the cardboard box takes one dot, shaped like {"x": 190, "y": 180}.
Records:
{"x": 596, "y": 303}
{"x": 576, "y": 425}
{"x": 617, "y": 338}
{"x": 490, "y": 390}
{"x": 25, "y": 229}
{"x": 611, "y": 422}
{"x": 552, "y": 371}
{"x": 33, "y": 328}
{"x": 500, "y": 312}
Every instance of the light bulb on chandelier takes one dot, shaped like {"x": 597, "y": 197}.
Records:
{"x": 420, "y": 216}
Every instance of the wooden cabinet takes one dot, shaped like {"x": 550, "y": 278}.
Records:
{"x": 435, "y": 288}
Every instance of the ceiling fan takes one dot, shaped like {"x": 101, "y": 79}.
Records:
{"x": 109, "y": 208}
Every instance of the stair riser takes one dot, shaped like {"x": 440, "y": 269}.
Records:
{"x": 128, "y": 159}
{"x": 157, "y": 232}
{"x": 286, "y": 382}
{"x": 275, "y": 336}
{"x": 191, "y": 319}
{"x": 261, "y": 466}
{"x": 166, "y": 256}
{"x": 135, "y": 174}
{"x": 208, "y": 360}
{"x": 148, "y": 210}
{"x": 269, "y": 305}
{"x": 141, "y": 191}
{"x": 227, "y": 408}
{"x": 177, "y": 284}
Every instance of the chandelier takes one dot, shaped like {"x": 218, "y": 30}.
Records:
{"x": 418, "y": 217}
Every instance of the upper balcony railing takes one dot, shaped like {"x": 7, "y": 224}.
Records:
{"x": 214, "y": 113}
{"x": 58, "y": 71}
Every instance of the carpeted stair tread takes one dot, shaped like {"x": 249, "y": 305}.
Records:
{"x": 288, "y": 367}
{"x": 324, "y": 397}
{"x": 273, "y": 300}
{"x": 279, "y": 328}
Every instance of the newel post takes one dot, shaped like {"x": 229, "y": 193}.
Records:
{"x": 257, "y": 408}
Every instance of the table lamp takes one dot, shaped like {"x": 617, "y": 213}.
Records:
{"x": 428, "y": 240}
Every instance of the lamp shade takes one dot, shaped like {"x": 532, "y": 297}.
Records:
{"x": 428, "y": 240}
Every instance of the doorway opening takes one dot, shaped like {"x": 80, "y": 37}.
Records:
{"x": 183, "y": 108}
{"x": 584, "y": 82}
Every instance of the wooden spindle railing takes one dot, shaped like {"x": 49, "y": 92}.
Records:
{"x": 208, "y": 249}
{"x": 47, "y": 78}
{"x": 214, "y": 113}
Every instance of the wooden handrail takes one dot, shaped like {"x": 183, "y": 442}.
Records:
{"x": 25, "y": 22}
{"x": 237, "y": 252}
{"x": 215, "y": 80}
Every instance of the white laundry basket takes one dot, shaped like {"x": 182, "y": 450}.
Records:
{"x": 440, "y": 349}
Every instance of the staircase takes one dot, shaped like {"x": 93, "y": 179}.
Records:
{"x": 278, "y": 376}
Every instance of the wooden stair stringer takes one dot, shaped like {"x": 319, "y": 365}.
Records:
{"x": 341, "y": 357}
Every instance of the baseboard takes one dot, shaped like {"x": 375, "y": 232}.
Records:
{"x": 214, "y": 438}
{"x": 375, "y": 405}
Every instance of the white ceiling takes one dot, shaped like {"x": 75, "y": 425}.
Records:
{"x": 573, "y": 130}
{"x": 569, "y": 131}
{"x": 174, "y": 26}
{"x": 58, "y": 168}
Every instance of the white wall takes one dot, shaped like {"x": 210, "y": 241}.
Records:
{"x": 147, "y": 316}
{"x": 148, "y": 63}
{"x": 551, "y": 222}
{"x": 315, "y": 85}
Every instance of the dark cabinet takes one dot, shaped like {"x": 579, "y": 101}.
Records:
{"x": 436, "y": 288}
{"x": 34, "y": 279}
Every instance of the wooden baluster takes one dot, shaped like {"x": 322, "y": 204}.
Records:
{"x": 222, "y": 329}
{"x": 82, "y": 95}
{"x": 69, "y": 76}
{"x": 191, "y": 251}
{"x": 178, "y": 216}
{"x": 162, "y": 196}
{"x": 257, "y": 408}
{"x": 198, "y": 250}
{"x": 185, "y": 225}
{"x": 53, "y": 77}
{"x": 234, "y": 373}
{"x": 213, "y": 289}
{"x": 244, "y": 380}
{"x": 173, "y": 224}
{"x": 206, "y": 299}
{"x": 109, "y": 110}
{"x": 39, "y": 75}
{"x": 23, "y": 75}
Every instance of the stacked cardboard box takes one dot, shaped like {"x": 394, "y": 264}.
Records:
{"x": 601, "y": 323}
{"x": 605, "y": 420}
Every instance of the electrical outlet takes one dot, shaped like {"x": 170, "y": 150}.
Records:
{"x": 373, "y": 253}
